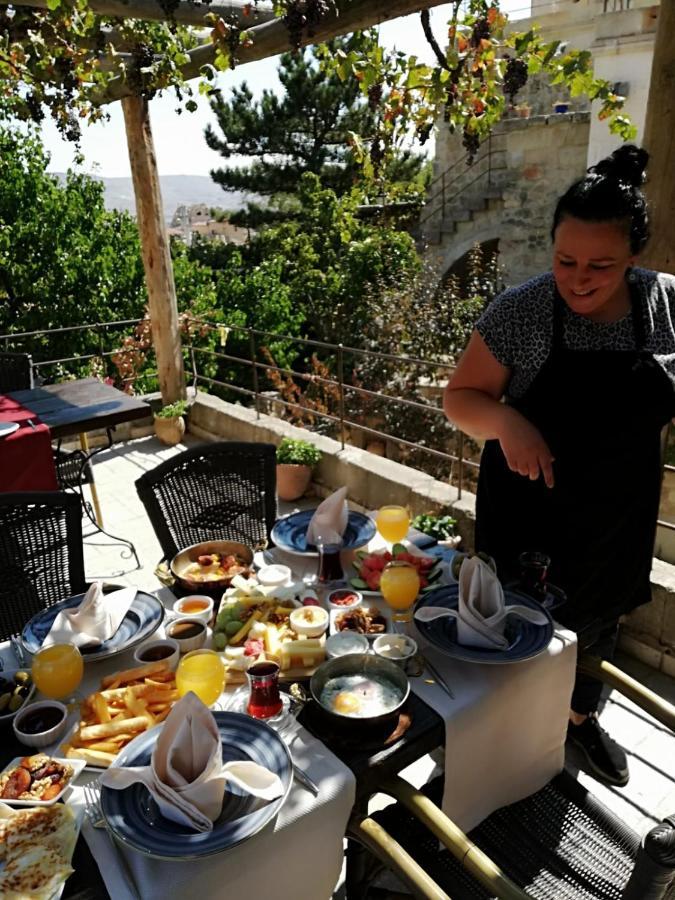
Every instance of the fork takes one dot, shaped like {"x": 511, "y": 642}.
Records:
{"x": 92, "y": 810}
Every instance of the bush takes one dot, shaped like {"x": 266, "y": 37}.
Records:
{"x": 172, "y": 410}
{"x": 297, "y": 453}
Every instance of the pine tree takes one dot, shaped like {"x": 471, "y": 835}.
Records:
{"x": 304, "y": 130}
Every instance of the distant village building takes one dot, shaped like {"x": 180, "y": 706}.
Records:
{"x": 188, "y": 221}
{"x": 505, "y": 200}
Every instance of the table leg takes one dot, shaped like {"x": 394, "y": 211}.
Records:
{"x": 84, "y": 444}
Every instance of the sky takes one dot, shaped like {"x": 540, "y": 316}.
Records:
{"x": 179, "y": 139}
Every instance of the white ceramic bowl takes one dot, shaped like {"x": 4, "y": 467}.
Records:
{"x": 8, "y": 675}
{"x": 42, "y": 738}
{"x": 274, "y": 576}
{"x": 309, "y": 621}
{"x": 186, "y": 644}
{"x": 399, "y": 648}
{"x": 345, "y": 642}
{"x": 344, "y": 592}
{"x": 203, "y": 615}
{"x": 168, "y": 646}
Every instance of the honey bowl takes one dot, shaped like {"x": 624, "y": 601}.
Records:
{"x": 194, "y": 606}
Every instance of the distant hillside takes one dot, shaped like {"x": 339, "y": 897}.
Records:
{"x": 176, "y": 190}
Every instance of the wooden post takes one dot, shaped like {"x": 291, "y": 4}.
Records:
{"x": 659, "y": 141}
{"x": 155, "y": 250}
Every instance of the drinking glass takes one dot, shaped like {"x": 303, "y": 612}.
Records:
{"x": 57, "y": 670}
{"x": 330, "y": 564}
{"x": 400, "y": 585}
{"x": 264, "y": 699}
{"x": 393, "y": 523}
{"x": 203, "y": 673}
{"x": 533, "y": 572}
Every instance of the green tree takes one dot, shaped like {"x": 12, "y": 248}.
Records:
{"x": 307, "y": 129}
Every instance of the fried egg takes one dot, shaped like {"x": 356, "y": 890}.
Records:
{"x": 360, "y": 697}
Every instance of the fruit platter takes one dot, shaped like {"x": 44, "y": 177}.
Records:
{"x": 254, "y": 625}
{"x": 369, "y": 567}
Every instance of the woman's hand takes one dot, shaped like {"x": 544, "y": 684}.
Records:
{"x": 524, "y": 448}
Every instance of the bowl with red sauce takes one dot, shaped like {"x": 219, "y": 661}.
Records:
{"x": 344, "y": 598}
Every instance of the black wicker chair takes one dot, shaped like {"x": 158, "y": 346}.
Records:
{"x": 222, "y": 491}
{"x": 41, "y": 555}
{"x": 16, "y": 372}
{"x": 559, "y": 844}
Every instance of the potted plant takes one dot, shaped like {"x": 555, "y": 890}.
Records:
{"x": 295, "y": 460}
{"x": 169, "y": 422}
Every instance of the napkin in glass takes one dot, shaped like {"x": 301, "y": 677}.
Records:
{"x": 329, "y": 522}
{"x": 481, "y": 609}
{"x": 186, "y": 775}
{"x": 94, "y": 621}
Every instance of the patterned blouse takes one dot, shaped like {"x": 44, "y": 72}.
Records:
{"x": 518, "y": 326}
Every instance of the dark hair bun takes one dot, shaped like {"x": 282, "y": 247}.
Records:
{"x": 627, "y": 164}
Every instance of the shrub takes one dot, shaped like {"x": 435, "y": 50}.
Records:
{"x": 297, "y": 453}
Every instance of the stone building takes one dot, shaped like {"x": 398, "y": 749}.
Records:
{"x": 505, "y": 200}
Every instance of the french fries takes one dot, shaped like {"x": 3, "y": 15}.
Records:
{"x": 128, "y": 703}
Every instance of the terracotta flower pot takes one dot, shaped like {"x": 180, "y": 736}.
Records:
{"x": 292, "y": 480}
{"x": 170, "y": 430}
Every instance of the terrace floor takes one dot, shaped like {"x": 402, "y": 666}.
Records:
{"x": 650, "y": 793}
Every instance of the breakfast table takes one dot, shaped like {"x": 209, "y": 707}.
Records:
{"x": 503, "y": 730}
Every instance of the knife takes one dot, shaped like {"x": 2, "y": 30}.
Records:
{"x": 305, "y": 780}
{"x": 438, "y": 678}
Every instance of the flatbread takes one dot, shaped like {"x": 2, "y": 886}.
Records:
{"x": 37, "y": 845}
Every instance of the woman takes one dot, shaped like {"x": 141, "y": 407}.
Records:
{"x": 584, "y": 359}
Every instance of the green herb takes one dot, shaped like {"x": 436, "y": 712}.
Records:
{"x": 298, "y": 453}
{"x": 172, "y": 410}
{"x": 439, "y": 527}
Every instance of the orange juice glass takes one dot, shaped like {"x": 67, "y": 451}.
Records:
{"x": 203, "y": 673}
{"x": 400, "y": 585}
{"x": 57, "y": 670}
{"x": 393, "y": 523}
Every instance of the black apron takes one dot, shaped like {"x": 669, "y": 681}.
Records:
{"x": 601, "y": 412}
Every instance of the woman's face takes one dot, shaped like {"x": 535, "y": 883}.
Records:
{"x": 589, "y": 265}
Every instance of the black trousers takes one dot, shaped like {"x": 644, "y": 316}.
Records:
{"x": 587, "y": 690}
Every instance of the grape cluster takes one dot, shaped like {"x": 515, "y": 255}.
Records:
{"x": 143, "y": 58}
{"x": 34, "y": 107}
{"x": 301, "y": 13}
{"x": 316, "y": 10}
{"x": 376, "y": 155}
{"x": 515, "y": 77}
{"x": 295, "y": 21}
{"x": 481, "y": 29}
{"x": 471, "y": 143}
{"x": 374, "y": 95}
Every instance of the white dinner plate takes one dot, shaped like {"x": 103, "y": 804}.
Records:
{"x": 8, "y": 428}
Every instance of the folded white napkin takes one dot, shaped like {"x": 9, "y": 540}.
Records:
{"x": 186, "y": 775}
{"x": 481, "y": 610}
{"x": 329, "y": 522}
{"x": 94, "y": 621}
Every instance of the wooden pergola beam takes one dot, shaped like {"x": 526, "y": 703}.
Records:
{"x": 186, "y": 13}
{"x": 271, "y": 38}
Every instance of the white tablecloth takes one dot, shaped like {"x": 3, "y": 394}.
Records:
{"x": 297, "y": 857}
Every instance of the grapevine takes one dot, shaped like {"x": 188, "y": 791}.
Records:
{"x": 515, "y": 77}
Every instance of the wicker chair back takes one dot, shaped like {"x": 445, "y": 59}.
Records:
{"x": 16, "y": 372}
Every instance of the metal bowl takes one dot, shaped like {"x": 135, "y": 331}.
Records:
{"x": 182, "y": 560}
{"x": 359, "y": 664}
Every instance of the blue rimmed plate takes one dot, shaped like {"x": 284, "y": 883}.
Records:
{"x": 525, "y": 638}
{"x": 143, "y": 618}
{"x": 290, "y": 533}
{"x": 134, "y": 818}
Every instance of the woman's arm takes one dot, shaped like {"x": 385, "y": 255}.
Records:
{"x": 472, "y": 400}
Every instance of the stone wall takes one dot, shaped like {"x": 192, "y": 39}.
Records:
{"x": 541, "y": 156}
{"x": 647, "y": 634}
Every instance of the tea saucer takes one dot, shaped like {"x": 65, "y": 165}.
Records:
{"x": 237, "y": 702}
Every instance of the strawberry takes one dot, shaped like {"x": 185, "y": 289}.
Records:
{"x": 253, "y": 647}
{"x": 373, "y": 581}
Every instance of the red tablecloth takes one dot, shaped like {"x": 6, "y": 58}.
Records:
{"x": 26, "y": 461}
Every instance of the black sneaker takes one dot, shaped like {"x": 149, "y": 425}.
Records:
{"x": 604, "y": 756}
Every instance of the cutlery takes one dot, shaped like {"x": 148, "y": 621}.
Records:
{"x": 32, "y": 424}
{"x": 18, "y": 651}
{"x": 438, "y": 678}
{"x": 92, "y": 810}
{"x": 305, "y": 780}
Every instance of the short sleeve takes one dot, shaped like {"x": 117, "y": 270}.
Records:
{"x": 496, "y": 327}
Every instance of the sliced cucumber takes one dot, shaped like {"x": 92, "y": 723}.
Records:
{"x": 397, "y": 549}
{"x": 358, "y": 583}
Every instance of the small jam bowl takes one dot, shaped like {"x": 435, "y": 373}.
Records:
{"x": 188, "y": 638}
{"x": 274, "y": 576}
{"x": 196, "y": 606}
{"x": 344, "y": 598}
{"x": 345, "y": 642}
{"x": 399, "y": 648}
{"x": 309, "y": 621}
{"x": 161, "y": 650}
{"x": 37, "y": 715}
